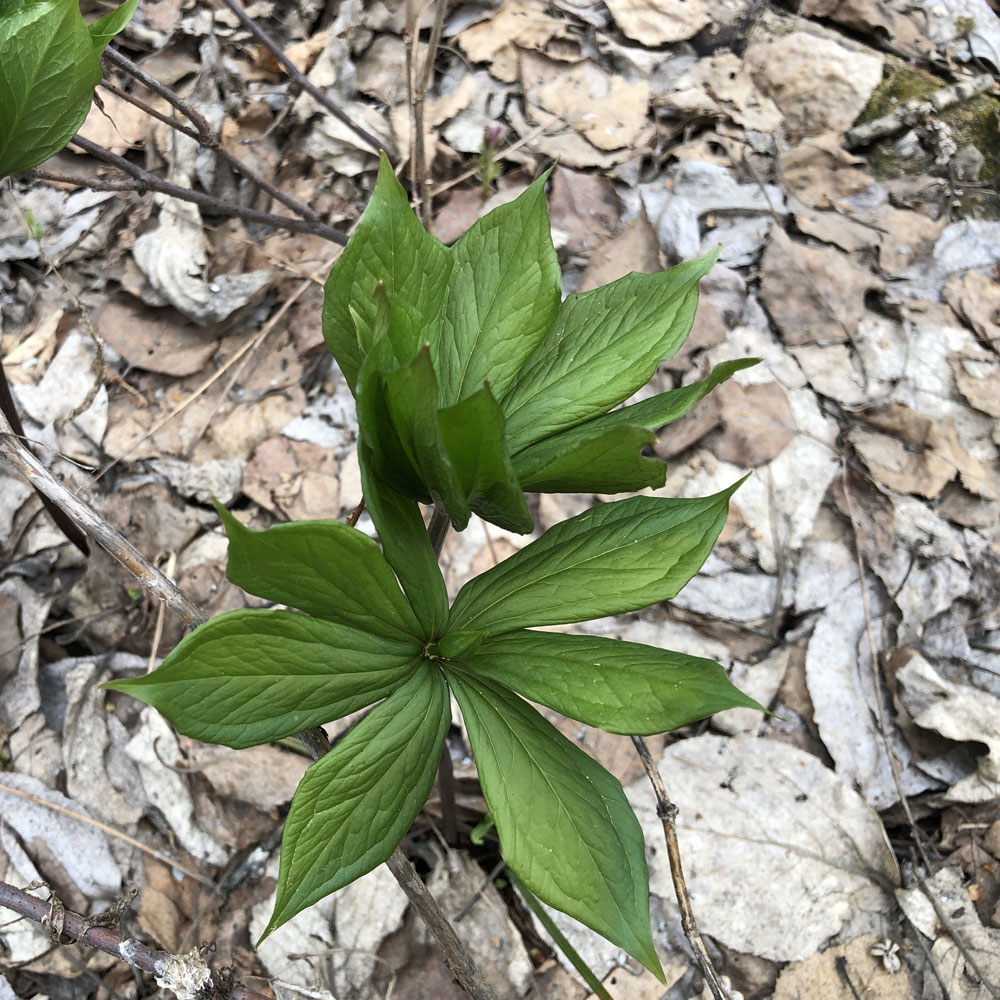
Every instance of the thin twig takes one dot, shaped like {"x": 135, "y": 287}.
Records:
{"x": 15, "y": 454}
{"x": 667, "y": 812}
{"x": 157, "y": 87}
{"x": 421, "y": 180}
{"x": 115, "y": 942}
{"x": 306, "y": 84}
{"x": 146, "y": 181}
{"x": 214, "y": 144}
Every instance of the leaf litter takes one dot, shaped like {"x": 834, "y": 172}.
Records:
{"x": 871, "y": 427}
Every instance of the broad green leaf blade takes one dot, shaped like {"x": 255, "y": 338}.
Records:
{"x": 410, "y": 397}
{"x": 390, "y": 246}
{"x": 104, "y": 29}
{"x": 621, "y": 687}
{"x": 565, "y": 827}
{"x": 604, "y": 345}
{"x": 48, "y": 72}
{"x": 323, "y": 568}
{"x": 407, "y": 548}
{"x": 503, "y": 297}
{"x": 253, "y": 676}
{"x": 474, "y": 436}
{"x": 355, "y": 804}
{"x": 583, "y": 460}
{"x": 604, "y": 454}
{"x": 613, "y": 558}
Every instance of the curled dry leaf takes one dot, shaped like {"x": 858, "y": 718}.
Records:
{"x": 657, "y": 22}
{"x": 958, "y": 712}
{"x": 780, "y": 853}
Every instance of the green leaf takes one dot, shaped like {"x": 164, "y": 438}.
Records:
{"x": 613, "y": 558}
{"x": 389, "y": 246}
{"x": 323, "y": 568}
{"x": 589, "y": 460}
{"x": 104, "y": 29}
{"x": 410, "y": 395}
{"x": 504, "y": 295}
{"x": 406, "y": 547}
{"x": 604, "y": 345}
{"x": 604, "y": 454}
{"x": 48, "y": 72}
{"x": 565, "y": 827}
{"x": 354, "y": 805}
{"x": 249, "y": 677}
{"x": 621, "y": 687}
{"x": 474, "y": 436}
{"x": 457, "y": 644}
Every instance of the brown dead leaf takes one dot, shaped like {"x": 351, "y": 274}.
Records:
{"x": 870, "y": 17}
{"x": 120, "y": 126}
{"x": 906, "y": 237}
{"x": 821, "y": 172}
{"x": 814, "y": 295}
{"x": 584, "y": 210}
{"x": 832, "y": 227}
{"x": 635, "y": 248}
{"x": 976, "y": 298}
{"x": 525, "y": 23}
{"x": 606, "y": 110}
{"x": 457, "y": 215}
{"x": 917, "y": 454}
{"x": 757, "y": 423}
{"x": 977, "y": 375}
{"x": 293, "y": 479}
{"x": 379, "y": 70}
{"x": 658, "y": 22}
{"x": 265, "y": 777}
{"x": 870, "y": 511}
{"x": 819, "y": 85}
{"x": 547, "y": 135}
{"x": 157, "y": 340}
{"x": 839, "y": 972}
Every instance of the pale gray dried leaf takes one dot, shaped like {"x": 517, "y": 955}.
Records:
{"x": 85, "y": 740}
{"x": 174, "y": 257}
{"x": 658, "y": 22}
{"x": 19, "y": 695}
{"x": 79, "y": 846}
{"x": 841, "y": 687}
{"x": 154, "y": 749}
{"x": 781, "y": 855}
{"x": 266, "y": 777}
{"x": 958, "y": 712}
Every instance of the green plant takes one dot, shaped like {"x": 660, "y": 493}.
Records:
{"x": 473, "y": 384}
{"x": 50, "y": 63}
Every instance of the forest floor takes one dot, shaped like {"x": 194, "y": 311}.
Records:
{"x": 847, "y": 844}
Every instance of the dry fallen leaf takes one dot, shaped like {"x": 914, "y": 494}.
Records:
{"x": 780, "y": 854}
{"x": 819, "y": 85}
{"x": 814, "y": 295}
{"x": 976, "y": 298}
{"x": 635, "y": 248}
{"x": 657, "y": 22}
{"x": 757, "y": 423}
{"x": 584, "y": 210}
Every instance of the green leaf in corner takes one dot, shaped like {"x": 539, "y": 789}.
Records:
{"x": 565, "y": 827}
{"x": 604, "y": 345}
{"x": 503, "y": 297}
{"x": 406, "y": 546}
{"x": 604, "y": 455}
{"x": 252, "y": 676}
{"x": 49, "y": 66}
{"x": 355, "y": 804}
{"x": 391, "y": 247}
{"x": 323, "y": 568}
{"x": 613, "y": 558}
{"x": 621, "y": 687}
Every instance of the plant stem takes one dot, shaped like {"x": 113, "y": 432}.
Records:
{"x": 144, "y": 180}
{"x": 15, "y": 454}
{"x": 111, "y": 940}
{"x": 667, "y": 812}
{"x": 305, "y": 83}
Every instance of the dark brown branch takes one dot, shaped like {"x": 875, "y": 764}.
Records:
{"x": 170, "y": 96}
{"x": 301, "y": 80}
{"x": 146, "y": 181}
{"x": 110, "y": 940}
{"x": 667, "y": 812}
{"x": 212, "y": 143}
